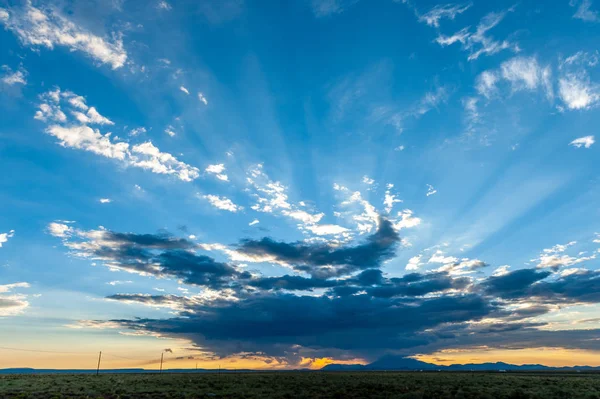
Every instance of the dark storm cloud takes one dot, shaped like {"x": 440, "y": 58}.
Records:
{"x": 198, "y": 269}
{"x": 161, "y": 255}
{"x": 151, "y": 241}
{"x": 582, "y": 286}
{"x": 579, "y": 287}
{"x": 514, "y": 284}
{"x": 272, "y": 322}
{"x": 361, "y": 311}
{"x": 417, "y": 284}
{"x": 325, "y": 260}
{"x": 291, "y": 283}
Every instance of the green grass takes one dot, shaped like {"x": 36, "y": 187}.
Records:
{"x": 305, "y": 385}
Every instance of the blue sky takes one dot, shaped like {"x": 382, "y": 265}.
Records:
{"x": 177, "y": 171}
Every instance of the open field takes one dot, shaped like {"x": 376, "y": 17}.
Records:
{"x": 305, "y": 385}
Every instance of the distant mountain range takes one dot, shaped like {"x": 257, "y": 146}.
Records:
{"x": 388, "y": 363}
{"x": 399, "y": 363}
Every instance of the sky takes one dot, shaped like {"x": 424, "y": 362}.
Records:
{"x": 276, "y": 185}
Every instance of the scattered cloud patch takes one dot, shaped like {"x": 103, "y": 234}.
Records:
{"x": 218, "y": 170}
{"x": 183, "y": 89}
{"x": 163, "y": 5}
{"x": 586, "y": 142}
{"x": 5, "y": 236}
{"x": 11, "y": 77}
{"x": 430, "y": 190}
{"x": 38, "y": 27}
{"x": 223, "y": 203}
{"x": 202, "y": 98}
{"x": 449, "y": 11}
{"x": 77, "y": 134}
{"x": 480, "y": 42}
{"x": 584, "y": 11}
{"x": 12, "y": 304}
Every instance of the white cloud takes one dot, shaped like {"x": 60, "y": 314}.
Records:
{"x": 9, "y": 287}
{"x": 217, "y": 170}
{"x": 430, "y": 190}
{"x": 450, "y": 11}
{"x": 47, "y": 28}
{"x": 369, "y": 218}
{"x": 414, "y": 263}
{"x": 586, "y": 142}
{"x": 584, "y": 11}
{"x": 577, "y": 92}
{"x": 105, "y": 200}
{"x": 223, "y": 203}
{"x": 60, "y": 230}
{"x": 5, "y": 236}
{"x": 148, "y": 156}
{"x": 88, "y": 139}
{"x": 399, "y": 148}
{"x": 326, "y": 229}
{"x": 76, "y": 101}
{"x": 92, "y": 117}
{"x": 501, "y": 271}
{"x": 406, "y": 220}
{"x": 439, "y": 257}
{"x": 480, "y": 42}
{"x": 367, "y": 180}
{"x": 119, "y": 282}
{"x": 170, "y": 131}
{"x": 137, "y": 131}
{"x": 555, "y": 257}
{"x": 163, "y": 5}
{"x": 255, "y": 221}
{"x": 183, "y": 89}
{"x": 202, "y": 98}
{"x": 80, "y": 136}
{"x": 522, "y": 73}
{"x": 13, "y": 78}
{"x": 486, "y": 83}
{"x": 271, "y": 197}
{"x": 390, "y": 199}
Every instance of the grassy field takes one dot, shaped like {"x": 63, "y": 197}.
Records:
{"x": 304, "y": 385}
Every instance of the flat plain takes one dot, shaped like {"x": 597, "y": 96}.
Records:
{"x": 414, "y": 385}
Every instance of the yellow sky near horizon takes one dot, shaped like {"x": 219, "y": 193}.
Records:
{"x": 183, "y": 359}
{"x": 556, "y": 357}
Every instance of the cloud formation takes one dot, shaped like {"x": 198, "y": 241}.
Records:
{"x": 37, "y": 27}
{"x": 78, "y": 134}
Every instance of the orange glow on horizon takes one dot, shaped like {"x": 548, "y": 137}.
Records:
{"x": 555, "y": 357}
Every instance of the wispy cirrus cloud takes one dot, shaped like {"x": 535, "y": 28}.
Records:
{"x": 584, "y": 11}
{"x": 439, "y": 12}
{"x": 480, "y": 42}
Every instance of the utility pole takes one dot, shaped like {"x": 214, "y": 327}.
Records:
{"x": 98, "y": 368}
{"x": 161, "y": 360}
